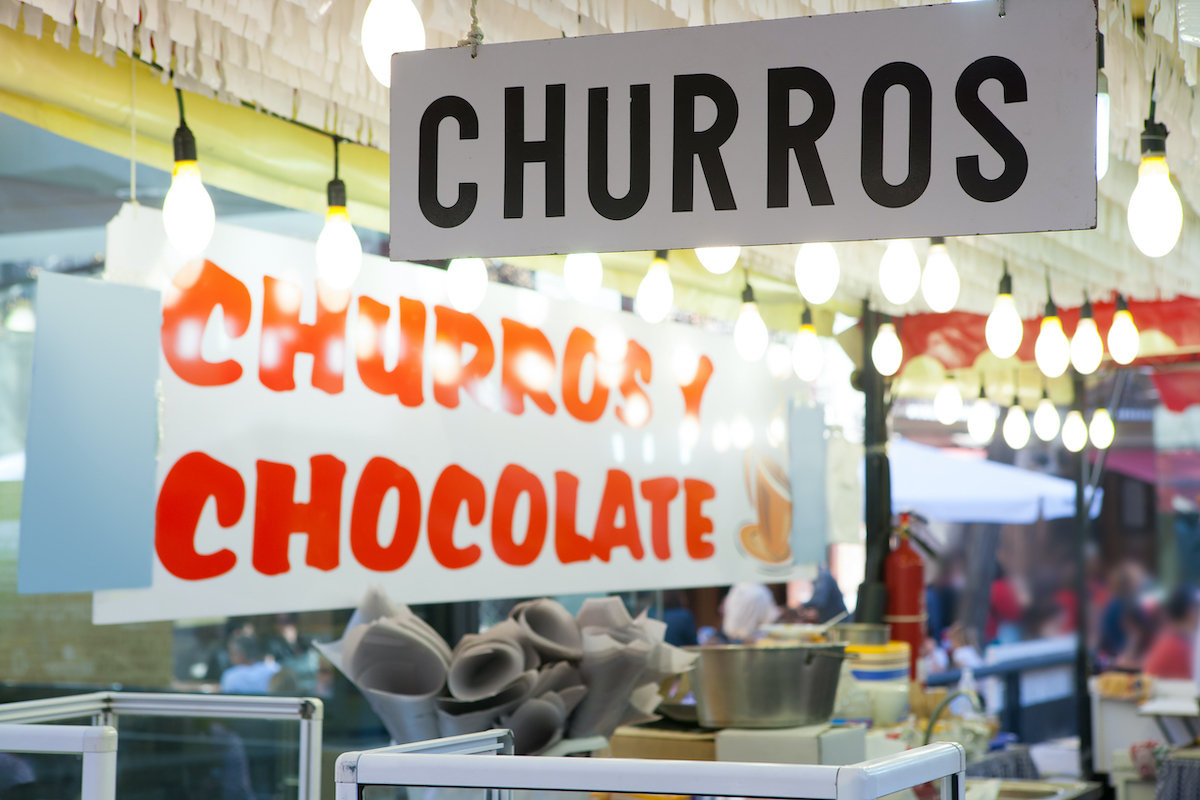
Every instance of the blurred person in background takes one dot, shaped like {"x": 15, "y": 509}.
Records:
{"x": 250, "y": 672}
{"x": 1137, "y": 632}
{"x": 1122, "y": 614}
{"x": 746, "y": 608}
{"x": 1004, "y": 610}
{"x": 1171, "y": 654}
{"x": 826, "y": 598}
{"x": 681, "y": 623}
{"x": 942, "y": 595}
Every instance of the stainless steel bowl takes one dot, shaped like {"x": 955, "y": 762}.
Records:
{"x": 859, "y": 633}
{"x": 752, "y": 686}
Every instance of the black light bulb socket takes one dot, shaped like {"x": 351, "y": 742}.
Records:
{"x": 1099, "y": 50}
{"x": 1154, "y": 140}
{"x": 1122, "y": 305}
{"x": 661, "y": 255}
{"x": 1051, "y": 310}
{"x": 982, "y": 393}
{"x": 185, "y": 144}
{"x": 748, "y": 294}
{"x": 1085, "y": 312}
{"x": 1006, "y": 283}
{"x": 336, "y": 193}
{"x": 1045, "y": 393}
{"x": 937, "y": 240}
{"x": 806, "y": 317}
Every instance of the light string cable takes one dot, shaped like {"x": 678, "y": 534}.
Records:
{"x": 474, "y": 36}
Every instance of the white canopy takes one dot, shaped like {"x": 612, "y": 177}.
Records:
{"x": 947, "y": 488}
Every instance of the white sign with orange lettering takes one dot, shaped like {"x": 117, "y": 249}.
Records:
{"x": 314, "y": 442}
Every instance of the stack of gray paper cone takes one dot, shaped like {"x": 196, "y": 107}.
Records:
{"x": 398, "y": 662}
{"x": 542, "y": 673}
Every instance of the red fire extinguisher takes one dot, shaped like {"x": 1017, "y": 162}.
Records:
{"x": 904, "y": 574}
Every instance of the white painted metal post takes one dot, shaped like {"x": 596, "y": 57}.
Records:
{"x": 107, "y": 707}
{"x": 434, "y": 767}
{"x": 97, "y": 745}
{"x": 310, "y": 750}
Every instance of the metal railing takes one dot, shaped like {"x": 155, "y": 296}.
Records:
{"x": 1010, "y": 671}
{"x": 449, "y": 767}
{"x": 96, "y": 743}
{"x": 104, "y": 708}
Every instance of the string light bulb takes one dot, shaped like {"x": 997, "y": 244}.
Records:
{"x": 390, "y": 26}
{"x": 339, "y": 252}
{"x": 655, "y": 293}
{"x": 582, "y": 275}
{"x": 808, "y": 355}
{"x": 1074, "y": 431}
{"x": 1087, "y": 349}
{"x": 899, "y": 272}
{"x": 1155, "y": 214}
{"x": 1045, "y": 419}
{"x": 886, "y": 352}
{"x": 939, "y": 283}
{"x": 1004, "y": 329}
{"x": 981, "y": 421}
{"x": 1101, "y": 431}
{"x": 466, "y": 283}
{"x": 817, "y": 272}
{"x": 1016, "y": 426}
{"x": 750, "y": 332}
{"x": 1052, "y": 350}
{"x": 718, "y": 260}
{"x": 1123, "y": 336}
{"x": 948, "y": 404}
{"x": 188, "y": 213}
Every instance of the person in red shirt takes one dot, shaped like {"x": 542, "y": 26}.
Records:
{"x": 1004, "y": 608}
{"x": 1171, "y": 654}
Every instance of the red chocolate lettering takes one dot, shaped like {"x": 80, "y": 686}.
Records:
{"x": 618, "y": 494}
{"x": 454, "y": 486}
{"x": 696, "y": 525}
{"x": 513, "y": 481}
{"x": 277, "y": 515}
{"x": 660, "y": 492}
{"x": 569, "y": 546}
{"x": 378, "y": 477}
{"x": 192, "y": 480}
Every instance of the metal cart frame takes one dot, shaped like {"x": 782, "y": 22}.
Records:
{"x": 105, "y": 708}
{"x": 452, "y": 763}
{"x": 96, "y": 743}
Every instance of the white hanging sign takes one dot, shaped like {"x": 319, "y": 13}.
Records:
{"x": 314, "y": 442}
{"x": 941, "y": 120}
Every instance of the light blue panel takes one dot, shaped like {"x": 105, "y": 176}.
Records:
{"x": 87, "y": 511}
{"x": 806, "y": 470}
